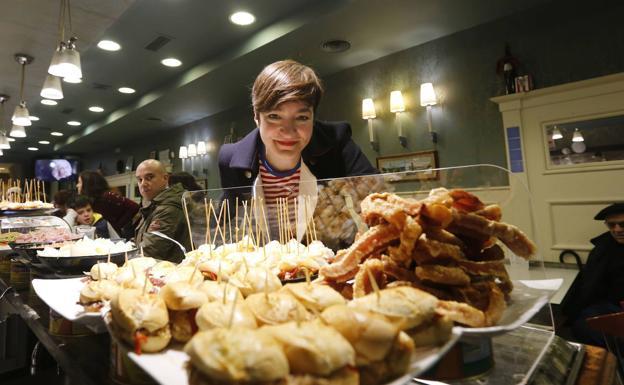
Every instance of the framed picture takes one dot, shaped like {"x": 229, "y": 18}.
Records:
{"x": 152, "y": 154}
{"x": 415, "y": 161}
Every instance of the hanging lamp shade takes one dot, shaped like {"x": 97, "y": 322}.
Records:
{"x": 556, "y": 134}
{"x": 52, "y": 88}
{"x": 69, "y": 63}
{"x": 4, "y": 142}
{"x": 21, "y": 115}
{"x": 577, "y": 136}
{"x": 54, "y": 69}
{"x": 18, "y": 131}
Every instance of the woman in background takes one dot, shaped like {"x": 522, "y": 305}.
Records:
{"x": 116, "y": 209}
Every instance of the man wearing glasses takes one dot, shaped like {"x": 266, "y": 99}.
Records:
{"x": 599, "y": 289}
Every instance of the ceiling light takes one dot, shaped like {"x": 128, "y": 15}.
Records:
{"x": 242, "y": 18}
{"x": 73, "y": 123}
{"x": 52, "y": 88}
{"x": 56, "y": 133}
{"x": 18, "y": 131}
{"x": 66, "y": 60}
{"x": 96, "y": 109}
{"x": 20, "y": 115}
{"x": 49, "y": 102}
{"x": 33, "y": 118}
{"x": 33, "y": 149}
{"x": 44, "y": 142}
{"x": 72, "y": 80}
{"x": 4, "y": 142}
{"x": 171, "y": 62}
{"x": 11, "y": 139}
{"x": 126, "y": 90}
{"x": 108, "y": 45}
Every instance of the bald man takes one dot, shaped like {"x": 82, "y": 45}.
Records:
{"x": 161, "y": 211}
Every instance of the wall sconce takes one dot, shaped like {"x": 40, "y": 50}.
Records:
{"x": 183, "y": 154}
{"x": 397, "y": 105}
{"x": 428, "y": 99}
{"x": 368, "y": 113}
{"x": 192, "y": 150}
{"x": 201, "y": 148}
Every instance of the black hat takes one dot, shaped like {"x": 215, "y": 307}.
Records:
{"x": 616, "y": 208}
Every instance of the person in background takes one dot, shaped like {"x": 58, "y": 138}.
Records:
{"x": 81, "y": 213}
{"x": 116, "y": 209}
{"x": 60, "y": 201}
{"x": 162, "y": 211}
{"x": 599, "y": 289}
{"x": 186, "y": 180}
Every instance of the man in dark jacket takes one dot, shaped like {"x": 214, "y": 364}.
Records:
{"x": 599, "y": 289}
{"x": 162, "y": 211}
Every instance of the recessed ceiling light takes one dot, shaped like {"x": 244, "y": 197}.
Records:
{"x": 126, "y": 90}
{"x": 44, "y": 142}
{"x": 72, "y": 80}
{"x": 49, "y": 102}
{"x": 33, "y": 149}
{"x": 73, "y": 123}
{"x": 171, "y": 62}
{"x": 56, "y": 133}
{"x": 108, "y": 45}
{"x": 96, "y": 109}
{"x": 10, "y": 139}
{"x": 33, "y": 118}
{"x": 242, "y": 18}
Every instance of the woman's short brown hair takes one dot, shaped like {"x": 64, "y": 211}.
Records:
{"x": 285, "y": 81}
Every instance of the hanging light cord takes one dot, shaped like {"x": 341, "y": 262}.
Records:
{"x": 22, "y": 82}
{"x": 71, "y": 29}
{"x": 61, "y": 23}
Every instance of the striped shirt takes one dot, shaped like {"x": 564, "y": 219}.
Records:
{"x": 278, "y": 187}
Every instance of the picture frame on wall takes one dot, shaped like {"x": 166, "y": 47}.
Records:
{"x": 414, "y": 161}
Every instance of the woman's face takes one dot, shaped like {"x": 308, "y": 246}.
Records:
{"x": 79, "y": 185}
{"x": 285, "y": 132}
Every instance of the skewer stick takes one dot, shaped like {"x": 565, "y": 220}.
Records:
{"x": 142, "y": 254}
{"x": 306, "y": 271}
{"x": 279, "y": 222}
{"x": 266, "y": 224}
{"x": 256, "y": 223}
{"x": 373, "y": 283}
{"x": 225, "y": 293}
{"x": 229, "y": 217}
{"x": 144, "y": 285}
{"x": 45, "y": 200}
{"x": 313, "y": 225}
{"x": 188, "y": 223}
{"x": 244, "y": 219}
{"x": 232, "y": 312}
{"x": 236, "y": 221}
{"x": 108, "y": 261}
{"x": 250, "y": 226}
{"x": 307, "y": 222}
{"x": 133, "y": 271}
{"x": 219, "y": 273}
{"x": 266, "y": 284}
{"x": 193, "y": 273}
{"x": 207, "y": 235}
{"x": 99, "y": 270}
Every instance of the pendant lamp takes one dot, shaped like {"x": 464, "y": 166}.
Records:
{"x": 21, "y": 115}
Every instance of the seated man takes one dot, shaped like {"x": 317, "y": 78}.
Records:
{"x": 81, "y": 213}
{"x": 161, "y": 211}
{"x": 599, "y": 289}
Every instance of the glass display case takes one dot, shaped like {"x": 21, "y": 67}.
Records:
{"x": 331, "y": 212}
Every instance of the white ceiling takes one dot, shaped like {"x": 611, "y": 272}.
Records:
{"x": 220, "y": 59}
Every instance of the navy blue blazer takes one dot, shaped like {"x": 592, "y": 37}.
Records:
{"x": 331, "y": 153}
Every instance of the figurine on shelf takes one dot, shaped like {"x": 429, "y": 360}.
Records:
{"x": 507, "y": 66}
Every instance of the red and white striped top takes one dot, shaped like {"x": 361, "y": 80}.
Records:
{"x": 276, "y": 187}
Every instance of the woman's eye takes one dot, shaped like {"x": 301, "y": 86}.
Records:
{"x": 303, "y": 117}
{"x": 273, "y": 116}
